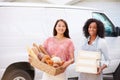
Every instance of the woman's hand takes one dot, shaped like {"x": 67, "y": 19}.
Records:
{"x": 100, "y": 69}
{"x": 29, "y": 59}
{"x": 64, "y": 66}
{"x": 67, "y": 63}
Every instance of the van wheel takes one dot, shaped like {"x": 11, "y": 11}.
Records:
{"x": 17, "y": 74}
{"x": 116, "y": 74}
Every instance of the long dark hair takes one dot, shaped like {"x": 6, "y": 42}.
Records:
{"x": 100, "y": 28}
{"x": 66, "y": 33}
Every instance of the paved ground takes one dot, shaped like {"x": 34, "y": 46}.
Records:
{"x": 106, "y": 77}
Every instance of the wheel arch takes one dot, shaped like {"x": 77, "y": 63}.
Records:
{"x": 20, "y": 65}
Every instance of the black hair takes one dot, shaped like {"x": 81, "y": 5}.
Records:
{"x": 66, "y": 33}
{"x": 100, "y": 28}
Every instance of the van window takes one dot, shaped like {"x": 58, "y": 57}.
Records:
{"x": 109, "y": 27}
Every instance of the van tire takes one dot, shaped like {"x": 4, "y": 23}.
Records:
{"x": 116, "y": 74}
{"x": 17, "y": 74}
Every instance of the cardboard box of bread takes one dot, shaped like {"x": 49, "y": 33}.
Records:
{"x": 44, "y": 62}
{"x": 87, "y": 61}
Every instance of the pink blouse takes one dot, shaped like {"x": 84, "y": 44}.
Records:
{"x": 59, "y": 48}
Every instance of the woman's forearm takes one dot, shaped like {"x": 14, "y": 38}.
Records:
{"x": 67, "y": 63}
{"x": 103, "y": 67}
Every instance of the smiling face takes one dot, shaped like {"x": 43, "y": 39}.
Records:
{"x": 92, "y": 29}
{"x": 60, "y": 27}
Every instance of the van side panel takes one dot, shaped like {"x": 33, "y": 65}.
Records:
{"x": 20, "y": 26}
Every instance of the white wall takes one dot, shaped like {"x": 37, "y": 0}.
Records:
{"x": 112, "y": 9}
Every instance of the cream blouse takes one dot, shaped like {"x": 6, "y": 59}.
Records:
{"x": 100, "y": 45}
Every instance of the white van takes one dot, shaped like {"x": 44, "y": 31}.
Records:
{"x": 21, "y": 24}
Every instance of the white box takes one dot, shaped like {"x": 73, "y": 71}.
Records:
{"x": 88, "y": 61}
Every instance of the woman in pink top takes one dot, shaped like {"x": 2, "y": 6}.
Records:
{"x": 59, "y": 45}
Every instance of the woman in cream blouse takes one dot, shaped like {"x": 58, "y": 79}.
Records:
{"x": 94, "y": 33}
